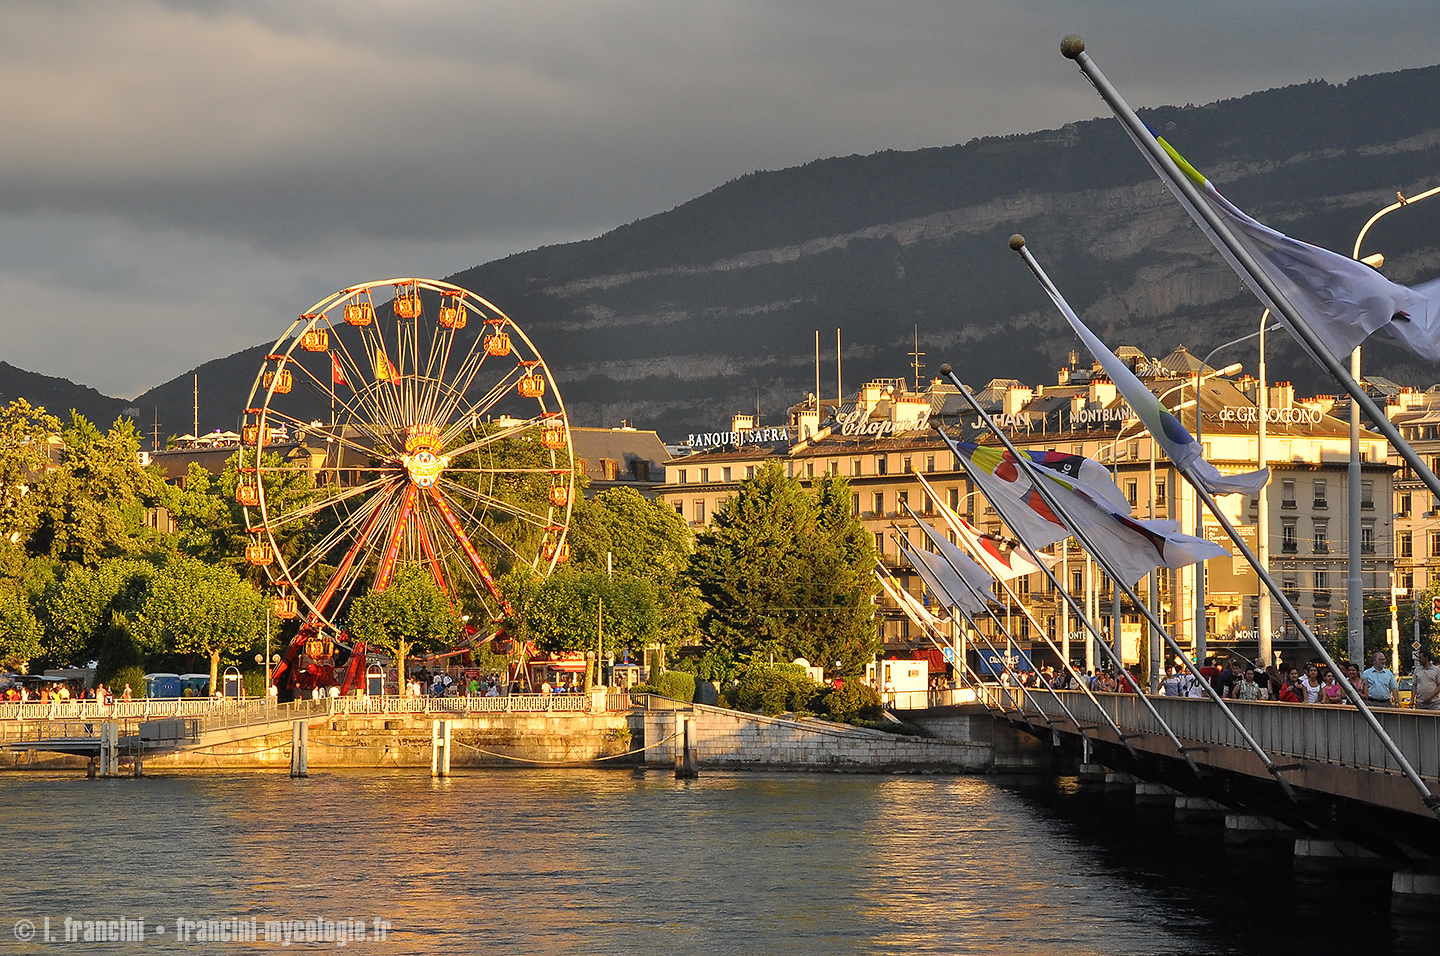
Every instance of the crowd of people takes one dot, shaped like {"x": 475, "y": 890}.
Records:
{"x": 1313, "y": 683}
{"x": 62, "y": 691}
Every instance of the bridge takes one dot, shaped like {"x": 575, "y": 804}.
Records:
{"x": 1331, "y": 785}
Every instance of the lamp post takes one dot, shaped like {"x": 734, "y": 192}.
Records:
{"x": 1355, "y": 582}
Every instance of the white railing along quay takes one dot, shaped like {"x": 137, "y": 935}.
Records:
{"x": 1334, "y": 734}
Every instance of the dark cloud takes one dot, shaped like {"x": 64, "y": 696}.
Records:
{"x": 274, "y": 150}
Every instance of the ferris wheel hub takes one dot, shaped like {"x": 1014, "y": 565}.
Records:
{"x": 424, "y": 467}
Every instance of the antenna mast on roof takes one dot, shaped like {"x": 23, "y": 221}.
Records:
{"x": 196, "y": 432}
{"x": 839, "y": 388}
{"x": 915, "y": 357}
{"x": 155, "y": 434}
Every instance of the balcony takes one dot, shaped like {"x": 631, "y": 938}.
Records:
{"x": 1288, "y": 503}
{"x": 1322, "y": 597}
{"x": 1320, "y": 504}
{"x": 1289, "y": 547}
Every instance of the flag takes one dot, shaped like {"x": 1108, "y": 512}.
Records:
{"x": 918, "y": 613}
{"x": 337, "y": 374}
{"x": 1342, "y": 300}
{"x": 999, "y": 556}
{"x": 384, "y": 369}
{"x": 943, "y": 582}
{"x": 1179, "y": 445}
{"x": 956, "y": 559}
{"x": 1132, "y": 548}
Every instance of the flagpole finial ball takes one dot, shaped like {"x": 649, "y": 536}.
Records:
{"x": 1017, "y": 242}
{"x": 1072, "y": 46}
{"x": 945, "y": 369}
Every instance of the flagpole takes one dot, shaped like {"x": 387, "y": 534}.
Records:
{"x": 905, "y": 547}
{"x": 1069, "y": 600}
{"x": 1053, "y": 502}
{"x": 1203, "y": 495}
{"x": 1080, "y": 681}
{"x": 1073, "y": 47}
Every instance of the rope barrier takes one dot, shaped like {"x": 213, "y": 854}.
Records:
{"x": 564, "y": 763}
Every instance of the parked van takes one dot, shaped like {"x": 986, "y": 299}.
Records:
{"x": 164, "y": 685}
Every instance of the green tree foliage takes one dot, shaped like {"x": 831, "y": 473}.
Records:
{"x": 791, "y": 569}
{"x": 20, "y": 633}
{"x": 645, "y": 541}
{"x": 199, "y": 608}
{"x": 92, "y": 506}
{"x": 82, "y": 604}
{"x": 412, "y": 613}
{"x": 24, "y": 458}
{"x": 775, "y": 690}
{"x": 853, "y": 701}
{"x": 563, "y": 612}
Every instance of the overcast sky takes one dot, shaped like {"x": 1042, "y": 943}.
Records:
{"x": 178, "y": 180}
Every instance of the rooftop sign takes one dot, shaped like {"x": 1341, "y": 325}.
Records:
{"x": 1250, "y": 415}
{"x": 756, "y": 436}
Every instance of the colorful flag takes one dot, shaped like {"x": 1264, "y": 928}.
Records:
{"x": 1002, "y": 557}
{"x": 954, "y": 557}
{"x": 1179, "y": 445}
{"x": 1342, "y": 300}
{"x": 337, "y": 374}
{"x": 1133, "y": 548}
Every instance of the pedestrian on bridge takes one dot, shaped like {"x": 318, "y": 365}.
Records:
{"x": 1384, "y": 689}
{"x": 1427, "y": 682}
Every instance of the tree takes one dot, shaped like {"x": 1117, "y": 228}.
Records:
{"x": 564, "y": 614}
{"x": 411, "y": 613}
{"x": 645, "y": 541}
{"x": 20, "y": 633}
{"x": 25, "y": 433}
{"x": 782, "y": 567}
{"x": 199, "y": 608}
{"x": 82, "y": 604}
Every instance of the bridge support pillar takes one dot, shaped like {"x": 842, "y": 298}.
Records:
{"x": 299, "y": 747}
{"x": 1092, "y": 775}
{"x": 1331, "y": 856}
{"x": 1197, "y": 809}
{"x": 1119, "y": 783}
{"x": 139, "y": 770}
{"x": 439, "y": 748}
{"x": 109, "y": 749}
{"x": 685, "y": 757}
{"x": 1415, "y": 893}
{"x": 1252, "y": 829}
{"x": 89, "y": 768}
{"x": 1154, "y": 795}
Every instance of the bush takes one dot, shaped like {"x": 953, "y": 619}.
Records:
{"x": 852, "y": 702}
{"x": 132, "y": 674}
{"x": 677, "y": 685}
{"x": 775, "y": 690}
{"x": 253, "y": 683}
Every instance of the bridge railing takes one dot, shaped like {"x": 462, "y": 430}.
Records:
{"x": 145, "y": 709}
{"x": 1334, "y": 734}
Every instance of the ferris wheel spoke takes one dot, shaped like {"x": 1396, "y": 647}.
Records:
{"x": 458, "y": 563}
{"x": 313, "y": 556}
{"x": 471, "y": 416}
{"x": 507, "y": 471}
{"x": 504, "y": 433}
{"x": 498, "y": 542}
{"x": 346, "y": 568}
{"x": 465, "y": 375}
{"x": 339, "y": 439}
{"x": 328, "y": 389}
{"x": 498, "y": 504}
{"x": 359, "y": 378}
{"x": 474, "y": 556}
{"x": 373, "y": 338}
{"x": 317, "y": 506}
{"x": 422, "y": 531}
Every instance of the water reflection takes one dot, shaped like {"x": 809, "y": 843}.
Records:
{"x": 610, "y": 862}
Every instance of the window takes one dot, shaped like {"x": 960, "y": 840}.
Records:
{"x": 704, "y": 475}
{"x": 1023, "y": 584}
{"x": 583, "y": 467}
{"x": 1132, "y": 491}
{"x": 1077, "y": 450}
{"x": 1322, "y": 500}
{"x": 749, "y": 471}
{"x": 809, "y": 469}
{"x": 855, "y": 505}
{"x": 1134, "y": 453}
{"x": 908, "y": 469}
{"x": 1367, "y": 495}
{"x": 683, "y": 476}
{"x": 1291, "y": 590}
{"x": 1407, "y": 581}
{"x": 1367, "y": 537}
{"x": 929, "y": 462}
{"x": 1287, "y": 493}
{"x": 1077, "y": 582}
{"x": 879, "y": 508}
{"x": 855, "y": 467}
{"x": 1289, "y": 538}
{"x": 902, "y": 498}
{"x": 724, "y": 474}
{"x": 609, "y": 468}
{"x": 879, "y": 542}
{"x": 1435, "y": 544}
{"x": 1322, "y": 537}
{"x": 1322, "y": 586}
{"x": 833, "y": 468}
{"x": 882, "y": 464}
{"x": 955, "y": 499}
{"x": 700, "y": 511}
{"x": 1406, "y": 544}
{"x": 680, "y": 508}
{"x": 1405, "y": 505}
{"x": 1159, "y": 492}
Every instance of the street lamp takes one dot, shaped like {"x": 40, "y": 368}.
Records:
{"x": 1355, "y": 596}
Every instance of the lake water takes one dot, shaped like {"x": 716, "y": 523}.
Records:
{"x": 613, "y": 862}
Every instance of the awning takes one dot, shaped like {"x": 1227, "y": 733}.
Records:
{"x": 567, "y": 666}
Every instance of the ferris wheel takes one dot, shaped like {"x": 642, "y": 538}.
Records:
{"x": 423, "y": 432}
